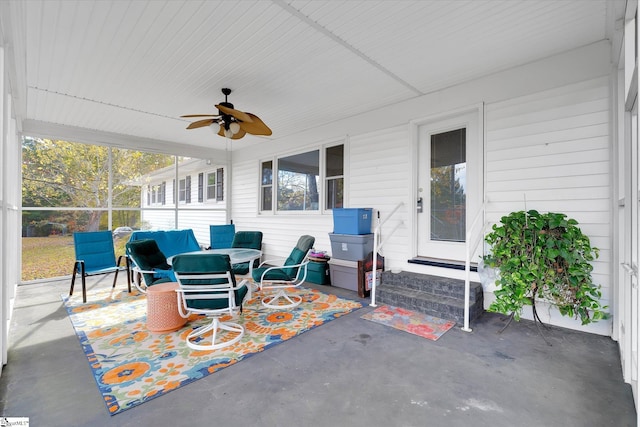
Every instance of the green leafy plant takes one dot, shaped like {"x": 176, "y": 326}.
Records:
{"x": 543, "y": 256}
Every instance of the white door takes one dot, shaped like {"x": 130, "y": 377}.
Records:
{"x": 634, "y": 231}
{"x": 449, "y": 184}
{"x": 629, "y": 232}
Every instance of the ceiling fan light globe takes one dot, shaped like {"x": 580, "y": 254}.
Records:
{"x": 228, "y": 133}
{"x": 215, "y": 127}
{"x": 234, "y": 127}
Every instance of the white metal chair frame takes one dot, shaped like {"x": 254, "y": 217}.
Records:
{"x": 201, "y": 292}
{"x": 137, "y": 274}
{"x": 270, "y": 301}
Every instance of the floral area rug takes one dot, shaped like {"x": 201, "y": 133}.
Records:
{"x": 423, "y": 325}
{"x": 132, "y": 365}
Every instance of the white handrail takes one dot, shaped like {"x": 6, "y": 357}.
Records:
{"x": 470, "y": 248}
{"x": 376, "y": 247}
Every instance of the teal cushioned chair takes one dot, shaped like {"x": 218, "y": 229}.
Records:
{"x": 208, "y": 286}
{"x": 292, "y": 273}
{"x": 247, "y": 240}
{"x": 150, "y": 263}
{"x": 221, "y": 236}
{"x": 95, "y": 255}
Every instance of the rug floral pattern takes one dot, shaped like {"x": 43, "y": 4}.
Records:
{"x": 132, "y": 365}
{"x": 420, "y": 324}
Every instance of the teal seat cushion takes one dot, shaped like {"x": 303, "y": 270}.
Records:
{"x": 215, "y": 304}
{"x": 241, "y": 269}
{"x": 275, "y": 274}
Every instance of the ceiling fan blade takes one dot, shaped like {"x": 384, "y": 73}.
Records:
{"x": 255, "y": 126}
{"x": 238, "y": 135}
{"x": 243, "y": 117}
{"x": 201, "y": 115}
{"x": 200, "y": 123}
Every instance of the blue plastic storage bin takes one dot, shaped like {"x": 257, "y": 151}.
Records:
{"x": 352, "y": 220}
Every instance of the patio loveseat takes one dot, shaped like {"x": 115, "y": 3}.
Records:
{"x": 167, "y": 244}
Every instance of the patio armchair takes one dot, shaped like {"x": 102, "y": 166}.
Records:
{"x": 95, "y": 255}
{"x": 221, "y": 236}
{"x": 247, "y": 240}
{"x": 148, "y": 262}
{"x": 208, "y": 286}
{"x": 291, "y": 274}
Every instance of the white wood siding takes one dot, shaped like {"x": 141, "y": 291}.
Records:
{"x": 281, "y": 230}
{"x": 552, "y": 149}
{"x": 380, "y": 178}
{"x": 547, "y": 136}
{"x": 195, "y": 215}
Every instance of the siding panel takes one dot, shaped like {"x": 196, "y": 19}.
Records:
{"x": 553, "y": 149}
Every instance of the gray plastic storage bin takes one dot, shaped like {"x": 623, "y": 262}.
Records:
{"x": 351, "y": 247}
{"x": 344, "y": 274}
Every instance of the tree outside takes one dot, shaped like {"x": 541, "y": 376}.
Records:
{"x": 71, "y": 182}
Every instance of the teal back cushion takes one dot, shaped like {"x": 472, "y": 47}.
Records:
{"x": 95, "y": 248}
{"x": 148, "y": 256}
{"x": 208, "y": 263}
{"x": 298, "y": 253}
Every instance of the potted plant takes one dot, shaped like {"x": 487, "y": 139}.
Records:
{"x": 543, "y": 257}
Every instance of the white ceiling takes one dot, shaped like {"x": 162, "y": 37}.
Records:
{"x": 133, "y": 67}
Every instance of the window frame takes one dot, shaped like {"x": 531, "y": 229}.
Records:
{"x": 323, "y": 180}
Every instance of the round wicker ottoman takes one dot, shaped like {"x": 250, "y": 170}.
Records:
{"x": 162, "y": 308}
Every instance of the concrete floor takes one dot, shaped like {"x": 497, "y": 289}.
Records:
{"x": 348, "y": 372}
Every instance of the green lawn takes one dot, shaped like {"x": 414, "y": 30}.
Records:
{"x": 52, "y": 256}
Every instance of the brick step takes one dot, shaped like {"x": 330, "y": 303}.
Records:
{"x": 433, "y": 295}
{"x": 432, "y": 284}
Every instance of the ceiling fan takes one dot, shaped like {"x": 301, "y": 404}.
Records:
{"x": 229, "y": 122}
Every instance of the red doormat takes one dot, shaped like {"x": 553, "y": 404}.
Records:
{"x": 420, "y": 324}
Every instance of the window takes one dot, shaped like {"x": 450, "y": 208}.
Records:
{"x": 266, "y": 186}
{"x": 182, "y": 190}
{"x": 297, "y": 186}
{"x": 448, "y": 186}
{"x": 219, "y": 184}
{"x": 298, "y": 178}
{"x": 334, "y": 176}
{"x": 156, "y": 194}
{"x": 211, "y": 186}
{"x": 215, "y": 184}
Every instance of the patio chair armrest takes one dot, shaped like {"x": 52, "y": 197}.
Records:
{"x": 137, "y": 269}
{"x": 270, "y": 261}
{"x": 242, "y": 283}
{"x": 302, "y": 264}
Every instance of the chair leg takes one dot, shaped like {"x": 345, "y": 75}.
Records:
{"x": 73, "y": 278}
{"x": 128, "y": 264}
{"x": 115, "y": 279}
{"x": 84, "y": 284}
{"x": 215, "y": 326}
{"x": 291, "y": 300}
